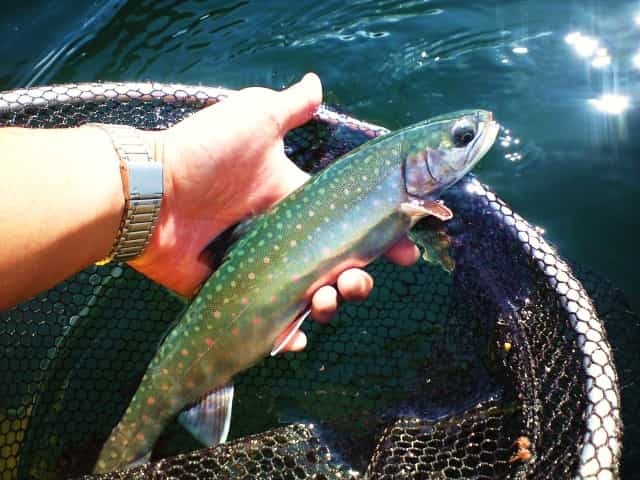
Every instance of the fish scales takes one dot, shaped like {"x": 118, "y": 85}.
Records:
{"x": 344, "y": 216}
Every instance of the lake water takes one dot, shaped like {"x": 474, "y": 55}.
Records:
{"x": 562, "y": 77}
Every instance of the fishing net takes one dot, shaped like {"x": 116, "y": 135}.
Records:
{"x": 488, "y": 361}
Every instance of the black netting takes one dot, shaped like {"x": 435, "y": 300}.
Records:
{"x": 499, "y": 369}
{"x": 291, "y": 452}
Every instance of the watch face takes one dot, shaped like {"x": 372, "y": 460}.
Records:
{"x": 142, "y": 179}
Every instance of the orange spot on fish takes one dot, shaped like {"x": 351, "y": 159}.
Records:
{"x": 140, "y": 436}
{"x": 274, "y": 299}
{"x": 180, "y": 365}
{"x": 295, "y": 277}
{"x": 245, "y": 301}
{"x": 151, "y": 401}
{"x": 165, "y": 387}
{"x": 184, "y": 352}
{"x": 235, "y": 331}
{"x": 217, "y": 314}
{"x": 209, "y": 342}
{"x": 190, "y": 384}
{"x": 256, "y": 320}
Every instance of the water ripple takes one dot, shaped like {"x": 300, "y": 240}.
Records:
{"x": 416, "y": 55}
{"x": 65, "y": 35}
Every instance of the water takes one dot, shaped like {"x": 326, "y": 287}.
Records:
{"x": 562, "y": 77}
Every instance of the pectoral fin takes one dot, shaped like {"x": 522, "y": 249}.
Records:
{"x": 418, "y": 211}
{"x": 287, "y": 335}
{"x": 209, "y": 420}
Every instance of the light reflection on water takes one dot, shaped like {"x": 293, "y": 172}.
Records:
{"x": 591, "y": 49}
{"x": 611, "y": 103}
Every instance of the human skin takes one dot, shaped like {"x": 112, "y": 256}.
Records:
{"x": 62, "y": 199}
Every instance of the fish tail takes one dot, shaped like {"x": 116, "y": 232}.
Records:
{"x": 123, "y": 449}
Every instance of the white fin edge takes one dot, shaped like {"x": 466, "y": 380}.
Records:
{"x": 289, "y": 332}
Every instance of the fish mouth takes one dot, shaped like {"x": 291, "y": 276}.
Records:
{"x": 488, "y": 130}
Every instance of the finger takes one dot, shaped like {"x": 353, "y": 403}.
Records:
{"x": 297, "y": 103}
{"x": 324, "y": 304}
{"x": 403, "y": 253}
{"x": 296, "y": 343}
{"x": 355, "y": 284}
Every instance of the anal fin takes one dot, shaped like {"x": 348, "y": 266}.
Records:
{"x": 210, "y": 419}
{"x": 289, "y": 332}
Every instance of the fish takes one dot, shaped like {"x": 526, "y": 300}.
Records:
{"x": 250, "y": 307}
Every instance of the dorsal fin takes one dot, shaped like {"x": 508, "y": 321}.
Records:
{"x": 216, "y": 251}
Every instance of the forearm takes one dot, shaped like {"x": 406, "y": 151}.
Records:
{"x": 61, "y": 202}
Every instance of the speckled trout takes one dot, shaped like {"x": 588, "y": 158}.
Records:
{"x": 345, "y": 216}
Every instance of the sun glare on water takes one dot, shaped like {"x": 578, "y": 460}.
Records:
{"x": 611, "y": 103}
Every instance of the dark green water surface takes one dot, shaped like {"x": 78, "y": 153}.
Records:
{"x": 562, "y": 77}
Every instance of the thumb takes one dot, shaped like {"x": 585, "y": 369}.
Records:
{"x": 297, "y": 104}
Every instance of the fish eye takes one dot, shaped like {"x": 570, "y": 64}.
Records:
{"x": 462, "y": 133}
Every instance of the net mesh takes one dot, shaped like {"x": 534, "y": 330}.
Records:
{"x": 495, "y": 366}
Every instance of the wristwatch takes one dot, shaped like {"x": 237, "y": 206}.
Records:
{"x": 143, "y": 188}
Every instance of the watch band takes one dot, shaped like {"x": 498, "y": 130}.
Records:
{"x": 143, "y": 187}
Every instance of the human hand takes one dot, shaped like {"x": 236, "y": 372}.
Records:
{"x": 224, "y": 164}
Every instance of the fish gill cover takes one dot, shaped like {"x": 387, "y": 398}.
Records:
{"x": 495, "y": 366}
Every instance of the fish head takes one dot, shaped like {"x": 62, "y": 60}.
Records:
{"x": 439, "y": 152}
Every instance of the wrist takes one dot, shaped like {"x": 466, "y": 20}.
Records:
{"x": 104, "y": 167}
{"x": 142, "y": 186}
{"x": 162, "y": 236}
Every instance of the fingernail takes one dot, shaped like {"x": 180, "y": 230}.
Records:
{"x": 310, "y": 78}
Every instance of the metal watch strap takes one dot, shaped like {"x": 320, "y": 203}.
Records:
{"x": 143, "y": 176}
